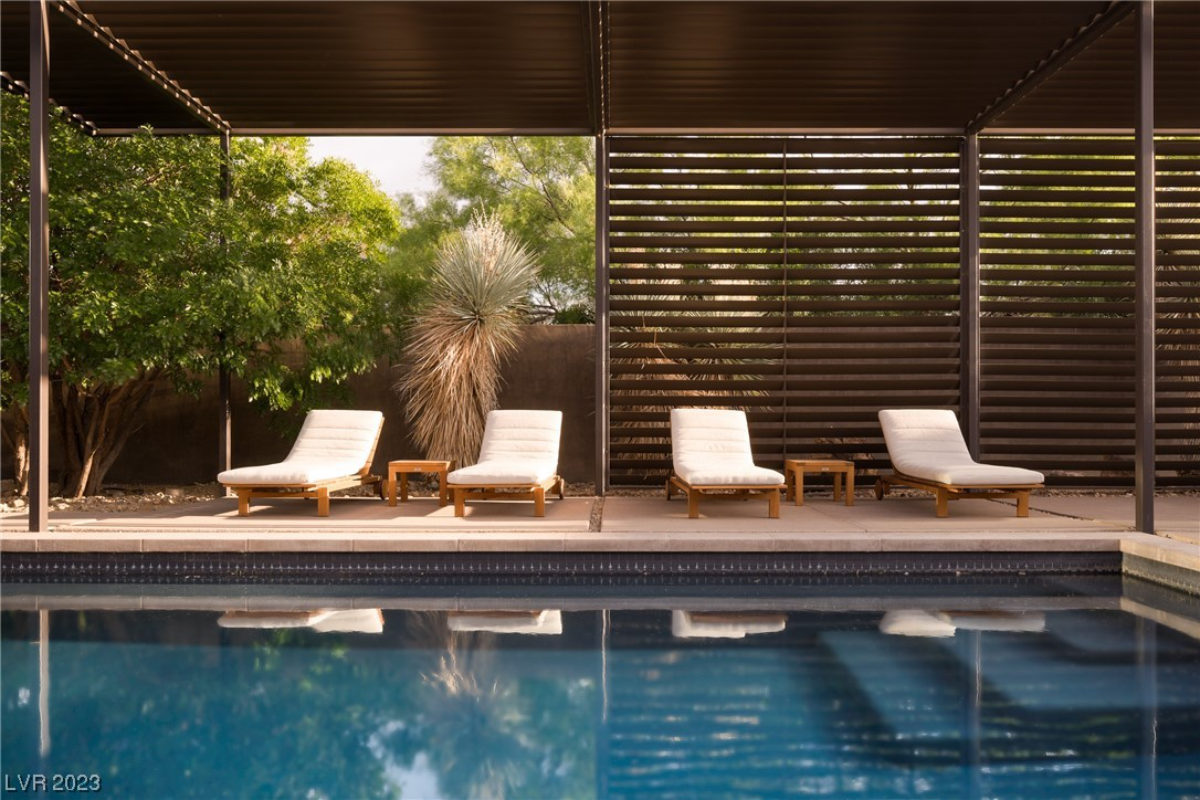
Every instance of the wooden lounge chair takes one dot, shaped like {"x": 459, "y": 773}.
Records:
{"x": 928, "y": 453}
{"x": 333, "y": 451}
{"x": 517, "y": 461}
{"x": 712, "y": 456}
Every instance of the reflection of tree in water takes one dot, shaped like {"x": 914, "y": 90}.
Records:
{"x": 489, "y": 734}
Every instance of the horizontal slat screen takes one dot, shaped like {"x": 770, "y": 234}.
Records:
{"x": 814, "y": 280}
{"x": 1057, "y": 358}
{"x": 809, "y": 281}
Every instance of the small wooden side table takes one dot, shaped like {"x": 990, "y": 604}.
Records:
{"x": 402, "y": 469}
{"x": 794, "y": 469}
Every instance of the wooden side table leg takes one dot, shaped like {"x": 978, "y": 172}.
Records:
{"x": 391, "y": 489}
{"x": 799, "y": 486}
{"x": 442, "y": 496}
{"x": 850, "y": 486}
{"x": 403, "y": 487}
{"x": 837, "y": 486}
{"x": 789, "y": 480}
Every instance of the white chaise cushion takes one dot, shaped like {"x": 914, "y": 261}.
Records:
{"x": 519, "y": 447}
{"x": 706, "y": 625}
{"x": 711, "y": 447}
{"x": 927, "y": 443}
{"x": 332, "y": 444}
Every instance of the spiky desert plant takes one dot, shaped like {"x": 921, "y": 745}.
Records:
{"x": 451, "y": 375}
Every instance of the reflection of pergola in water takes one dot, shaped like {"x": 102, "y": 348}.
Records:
{"x": 821, "y": 80}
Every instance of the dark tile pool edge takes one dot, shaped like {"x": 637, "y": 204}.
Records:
{"x": 1175, "y": 577}
{"x": 303, "y": 568}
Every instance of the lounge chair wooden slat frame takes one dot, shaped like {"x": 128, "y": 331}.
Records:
{"x": 318, "y": 489}
{"x": 771, "y": 492}
{"x": 507, "y": 491}
{"x": 945, "y": 492}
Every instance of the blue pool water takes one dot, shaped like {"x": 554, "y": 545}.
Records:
{"x": 1045, "y": 696}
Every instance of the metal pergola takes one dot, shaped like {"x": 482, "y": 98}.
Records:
{"x": 606, "y": 69}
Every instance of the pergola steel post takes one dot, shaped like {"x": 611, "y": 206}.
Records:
{"x": 969, "y": 306}
{"x": 39, "y": 268}
{"x": 1144, "y": 270}
{"x": 602, "y": 371}
{"x": 224, "y": 384}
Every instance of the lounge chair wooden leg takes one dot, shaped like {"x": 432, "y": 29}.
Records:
{"x": 880, "y": 489}
{"x": 539, "y": 501}
{"x": 943, "y": 503}
{"x": 773, "y": 504}
{"x": 849, "y": 488}
{"x": 668, "y": 488}
{"x": 460, "y": 502}
{"x": 562, "y": 489}
{"x": 1022, "y": 504}
{"x": 322, "y": 501}
{"x": 243, "y": 502}
{"x": 693, "y": 504}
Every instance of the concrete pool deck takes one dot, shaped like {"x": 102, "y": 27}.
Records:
{"x": 1071, "y": 523}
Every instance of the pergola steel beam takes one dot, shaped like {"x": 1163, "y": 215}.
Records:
{"x": 146, "y": 68}
{"x": 599, "y": 103}
{"x": 224, "y": 383}
{"x": 1101, "y": 24}
{"x": 39, "y": 268}
{"x": 1144, "y": 270}
{"x": 969, "y": 292}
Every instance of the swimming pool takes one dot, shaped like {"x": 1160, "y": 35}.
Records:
{"x": 1007, "y": 688}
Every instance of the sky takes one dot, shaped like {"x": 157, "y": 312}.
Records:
{"x": 397, "y": 162}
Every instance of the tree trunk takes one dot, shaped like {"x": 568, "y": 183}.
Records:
{"x": 14, "y": 426}
{"x": 96, "y": 423}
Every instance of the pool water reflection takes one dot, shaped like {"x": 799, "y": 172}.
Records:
{"x": 945, "y": 700}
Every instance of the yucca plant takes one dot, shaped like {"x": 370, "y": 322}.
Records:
{"x": 477, "y": 301}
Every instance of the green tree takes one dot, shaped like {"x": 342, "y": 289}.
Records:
{"x": 154, "y": 280}
{"x": 541, "y": 189}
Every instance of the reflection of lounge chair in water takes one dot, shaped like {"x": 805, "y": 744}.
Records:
{"x": 548, "y": 622}
{"x": 724, "y": 624}
{"x": 945, "y": 623}
{"x": 353, "y": 620}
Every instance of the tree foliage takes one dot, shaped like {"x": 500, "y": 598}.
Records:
{"x": 154, "y": 279}
{"x": 541, "y": 189}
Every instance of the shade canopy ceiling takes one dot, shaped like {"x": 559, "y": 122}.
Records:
{"x": 314, "y": 66}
